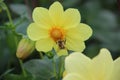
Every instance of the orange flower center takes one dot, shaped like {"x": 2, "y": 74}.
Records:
{"x": 57, "y": 33}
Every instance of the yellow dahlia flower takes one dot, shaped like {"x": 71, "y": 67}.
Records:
{"x": 54, "y": 26}
{"x": 101, "y": 67}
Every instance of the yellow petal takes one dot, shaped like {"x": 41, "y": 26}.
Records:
{"x": 73, "y": 76}
{"x": 56, "y": 12}
{"x": 41, "y": 16}
{"x": 76, "y": 62}
{"x": 64, "y": 74}
{"x": 59, "y": 51}
{"x": 62, "y": 52}
{"x": 74, "y": 44}
{"x": 103, "y": 64}
{"x": 116, "y": 71}
{"x": 84, "y": 31}
{"x": 44, "y": 45}
{"x": 81, "y": 32}
{"x": 35, "y": 32}
{"x": 71, "y": 18}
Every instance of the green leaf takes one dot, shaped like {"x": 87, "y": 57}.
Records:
{"x": 20, "y": 9}
{"x": 106, "y": 20}
{"x": 4, "y": 52}
{"x": 17, "y": 77}
{"x": 109, "y": 3}
{"x": 22, "y": 26}
{"x": 90, "y": 10}
{"x": 6, "y": 73}
{"x": 112, "y": 41}
{"x": 40, "y": 69}
{"x": 92, "y": 50}
{"x": 1, "y": 1}
{"x": 11, "y": 41}
{"x": 109, "y": 39}
{"x": 2, "y": 5}
{"x": 59, "y": 65}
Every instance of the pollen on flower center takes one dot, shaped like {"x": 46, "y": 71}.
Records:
{"x": 57, "y": 33}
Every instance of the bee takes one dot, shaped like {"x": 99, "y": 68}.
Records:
{"x": 61, "y": 44}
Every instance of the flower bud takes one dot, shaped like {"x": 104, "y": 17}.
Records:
{"x": 25, "y": 48}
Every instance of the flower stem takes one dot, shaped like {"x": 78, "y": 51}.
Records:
{"x": 12, "y": 26}
{"x": 41, "y": 55}
{"x": 8, "y": 14}
{"x": 55, "y": 72}
{"x": 23, "y": 70}
{"x": 61, "y": 67}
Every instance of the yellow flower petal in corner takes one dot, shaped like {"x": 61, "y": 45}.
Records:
{"x": 116, "y": 71}
{"x": 102, "y": 67}
{"x": 103, "y": 64}
{"x": 44, "y": 45}
{"x": 78, "y": 63}
{"x": 73, "y": 76}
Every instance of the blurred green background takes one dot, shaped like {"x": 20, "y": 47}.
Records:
{"x": 102, "y": 15}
